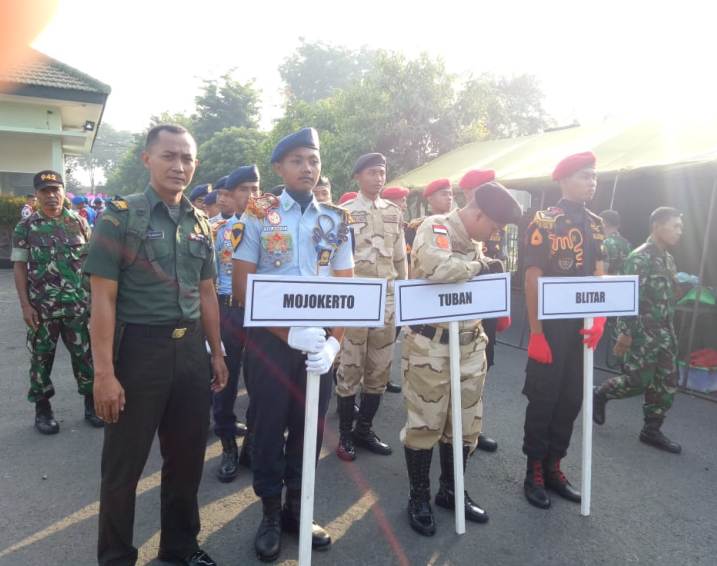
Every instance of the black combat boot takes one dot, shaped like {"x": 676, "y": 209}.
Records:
{"x": 44, "y": 419}
{"x": 556, "y": 481}
{"x": 446, "y": 494}
{"x": 599, "y": 404}
{"x": 290, "y": 515}
{"x": 420, "y": 514}
{"x": 345, "y": 449}
{"x": 652, "y": 435}
{"x": 486, "y": 443}
{"x": 534, "y": 485}
{"x": 229, "y": 466}
{"x": 363, "y": 435}
{"x": 392, "y": 387}
{"x": 267, "y": 541}
{"x": 90, "y": 415}
{"x": 245, "y": 454}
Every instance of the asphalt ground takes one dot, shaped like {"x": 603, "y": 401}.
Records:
{"x": 648, "y": 507}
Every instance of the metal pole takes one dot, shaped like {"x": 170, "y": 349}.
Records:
{"x": 586, "y": 472}
{"x": 614, "y": 190}
{"x": 308, "y": 467}
{"x": 457, "y": 424}
{"x": 698, "y": 295}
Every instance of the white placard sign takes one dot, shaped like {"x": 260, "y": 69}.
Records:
{"x": 582, "y": 297}
{"x": 273, "y": 300}
{"x": 419, "y": 301}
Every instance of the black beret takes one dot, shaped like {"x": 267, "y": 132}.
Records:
{"x": 46, "y": 179}
{"x": 500, "y": 206}
{"x": 369, "y": 160}
{"x": 245, "y": 174}
{"x": 199, "y": 191}
{"x": 306, "y": 137}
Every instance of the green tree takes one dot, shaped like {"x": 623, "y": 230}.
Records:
{"x": 108, "y": 150}
{"x": 224, "y": 103}
{"x": 226, "y": 150}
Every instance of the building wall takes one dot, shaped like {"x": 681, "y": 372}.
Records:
{"x": 26, "y": 153}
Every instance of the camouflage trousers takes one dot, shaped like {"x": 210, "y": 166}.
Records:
{"x": 366, "y": 356}
{"x": 42, "y": 344}
{"x": 425, "y": 364}
{"x": 650, "y": 369}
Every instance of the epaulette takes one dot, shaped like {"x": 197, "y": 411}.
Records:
{"x": 260, "y": 206}
{"x": 547, "y": 218}
{"x": 596, "y": 217}
{"x": 391, "y": 203}
{"x": 415, "y": 223}
{"x": 345, "y": 214}
{"x": 119, "y": 204}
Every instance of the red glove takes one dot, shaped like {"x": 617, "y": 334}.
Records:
{"x": 593, "y": 335}
{"x": 502, "y": 324}
{"x": 539, "y": 349}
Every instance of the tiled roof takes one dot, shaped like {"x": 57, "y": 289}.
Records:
{"x": 41, "y": 70}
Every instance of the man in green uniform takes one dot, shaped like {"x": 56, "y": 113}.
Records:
{"x": 648, "y": 341}
{"x": 616, "y": 247}
{"x": 153, "y": 304}
{"x": 48, "y": 248}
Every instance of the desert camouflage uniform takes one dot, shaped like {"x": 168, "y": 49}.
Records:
{"x": 443, "y": 251}
{"x": 380, "y": 251}
{"x": 54, "y": 250}
{"x": 650, "y": 366}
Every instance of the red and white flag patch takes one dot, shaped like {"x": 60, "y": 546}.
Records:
{"x": 439, "y": 229}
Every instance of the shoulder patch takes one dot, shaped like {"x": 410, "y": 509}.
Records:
{"x": 439, "y": 229}
{"x": 237, "y": 234}
{"x": 119, "y": 204}
{"x": 536, "y": 238}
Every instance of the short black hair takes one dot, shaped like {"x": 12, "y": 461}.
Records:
{"x": 154, "y": 131}
{"x": 324, "y": 182}
{"x": 611, "y": 218}
{"x": 663, "y": 214}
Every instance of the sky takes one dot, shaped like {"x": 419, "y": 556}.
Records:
{"x": 593, "y": 59}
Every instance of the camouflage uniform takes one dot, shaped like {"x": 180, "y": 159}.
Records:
{"x": 54, "y": 250}
{"x": 380, "y": 251}
{"x": 650, "y": 366}
{"x": 616, "y": 249}
{"x": 443, "y": 251}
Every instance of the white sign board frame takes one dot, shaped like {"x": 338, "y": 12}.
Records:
{"x": 557, "y": 296}
{"x": 418, "y": 300}
{"x": 352, "y": 301}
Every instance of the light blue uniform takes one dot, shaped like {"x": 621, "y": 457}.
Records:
{"x": 223, "y": 251}
{"x": 287, "y": 242}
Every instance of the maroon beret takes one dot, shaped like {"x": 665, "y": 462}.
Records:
{"x": 394, "y": 193}
{"x": 347, "y": 196}
{"x": 573, "y": 163}
{"x": 435, "y": 186}
{"x": 476, "y": 178}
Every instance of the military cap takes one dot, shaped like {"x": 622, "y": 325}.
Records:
{"x": 500, "y": 206}
{"x": 475, "y": 178}
{"x": 435, "y": 186}
{"x": 347, "y": 196}
{"x": 306, "y": 137}
{"x": 211, "y": 198}
{"x": 78, "y": 200}
{"x": 220, "y": 183}
{"x": 199, "y": 191}
{"x": 46, "y": 179}
{"x": 573, "y": 163}
{"x": 369, "y": 160}
{"x": 394, "y": 193}
{"x": 245, "y": 174}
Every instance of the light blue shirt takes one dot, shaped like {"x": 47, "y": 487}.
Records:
{"x": 224, "y": 243}
{"x": 287, "y": 242}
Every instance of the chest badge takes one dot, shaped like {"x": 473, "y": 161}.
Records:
{"x": 273, "y": 217}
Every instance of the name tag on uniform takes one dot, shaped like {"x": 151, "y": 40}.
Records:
{"x": 155, "y": 234}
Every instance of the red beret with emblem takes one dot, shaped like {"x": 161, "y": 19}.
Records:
{"x": 347, "y": 196}
{"x": 435, "y": 186}
{"x": 476, "y": 178}
{"x": 394, "y": 193}
{"x": 573, "y": 163}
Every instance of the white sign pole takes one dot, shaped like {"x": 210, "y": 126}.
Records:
{"x": 308, "y": 467}
{"x": 454, "y": 349}
{"x": 586, "y": 472}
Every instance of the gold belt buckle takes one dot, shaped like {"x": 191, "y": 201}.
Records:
{"x": 178, "y": 333}
{"x": 465, "y": 337}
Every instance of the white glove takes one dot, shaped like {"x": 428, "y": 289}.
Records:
{"x": 322, "y": 361}
{"x": 310, "y": 339}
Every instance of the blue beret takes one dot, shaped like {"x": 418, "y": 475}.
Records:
{"x": 211, "y": 198}
{"x": 306, "y": 137}
{"x": 199, "y": 191}
{"x": 369, "y": 160}
{"x": 78, "y": 200}
{"x": 245, "y": 174}
{"x": 220, "y": 183}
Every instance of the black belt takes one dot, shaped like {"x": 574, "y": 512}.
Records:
{"x": 176, "y": 331}
{"x": 464, "y": 336}
{"x": 228, "y": 301}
